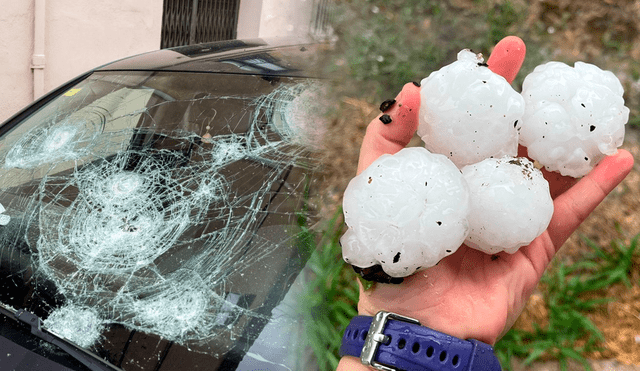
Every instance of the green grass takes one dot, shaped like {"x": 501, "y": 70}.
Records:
{"x": 332, "y": 294}
{"x": 569, "y": 296}
{"x": 385, "y": 44}
{"x": 501, "y": 20}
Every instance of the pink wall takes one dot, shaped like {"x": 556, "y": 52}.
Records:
{"x": 86, "y": 34}
{"x": 274, "y": 18}
{"x": 16, "y": 42}
{"x": 79, "y": 35}
{"x": 290, "y": 20}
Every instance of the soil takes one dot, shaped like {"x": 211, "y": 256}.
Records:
{"x": 606, "y": 33}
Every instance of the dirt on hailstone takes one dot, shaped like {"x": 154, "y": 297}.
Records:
{"x": 589, "y": 31}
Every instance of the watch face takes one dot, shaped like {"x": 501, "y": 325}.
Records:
{"x": 157, "y": 218}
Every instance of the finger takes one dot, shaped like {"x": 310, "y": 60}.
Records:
{"x": 558, "y": 184}
{"x": 573, "y": 206}
{"x": 523, "y": 152}
{"x": 507, "y": 57}
{"x": 389, "y": 137}
{"x": 384, "y": 136}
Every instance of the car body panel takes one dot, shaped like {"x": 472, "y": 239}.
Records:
{"x": 280, "y": 57}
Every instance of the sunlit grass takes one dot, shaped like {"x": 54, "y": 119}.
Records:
{"x": 572, "y": 291}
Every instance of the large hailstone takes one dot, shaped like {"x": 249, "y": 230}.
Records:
{"x": 510, "y": 204}
{"x": 469, "y": 113}
{"x": 574, "y": 117}
{"x": 405, "y": 212}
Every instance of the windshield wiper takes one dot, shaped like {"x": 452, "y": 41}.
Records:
{"x": 93, "y": 362}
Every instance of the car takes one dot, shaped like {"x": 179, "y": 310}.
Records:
{"x": 155, "y": 212}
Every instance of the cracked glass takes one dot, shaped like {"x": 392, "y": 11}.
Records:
{"x": 157, "y": 217}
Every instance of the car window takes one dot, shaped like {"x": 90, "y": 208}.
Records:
{"x": 154, "y": 214}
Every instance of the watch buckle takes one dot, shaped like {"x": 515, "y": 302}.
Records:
{"x": 375, "y": 337}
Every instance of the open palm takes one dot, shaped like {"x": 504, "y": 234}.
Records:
{"x": 470, "y": 294}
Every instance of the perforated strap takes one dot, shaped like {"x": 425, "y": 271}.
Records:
{"x": 408, "y": 346}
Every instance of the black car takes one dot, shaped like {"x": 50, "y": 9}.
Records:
{"x": 155, "y": 212}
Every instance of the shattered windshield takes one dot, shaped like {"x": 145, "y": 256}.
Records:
{"x": 146, "y": 215}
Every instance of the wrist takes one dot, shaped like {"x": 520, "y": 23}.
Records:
{"x": 349, "y": 363}
{"x": 389, "y": 341}
{"x": 458, "y": 316}
{"x": 460, "y": 328}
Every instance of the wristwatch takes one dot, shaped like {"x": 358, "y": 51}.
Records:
{"x": 393, "y": 342}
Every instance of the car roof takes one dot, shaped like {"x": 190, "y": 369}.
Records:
{"x": 294, "y": 57}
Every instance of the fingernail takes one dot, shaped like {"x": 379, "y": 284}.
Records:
{"x": 387, "y": 104}
{"x": 386, "y": 119}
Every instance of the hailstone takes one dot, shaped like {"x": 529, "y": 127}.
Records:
{"x": 468, "y": 113}
{"x": 510, "y": 204}
{"x": 574, "y": 117}
{"x": 405, "y": 212}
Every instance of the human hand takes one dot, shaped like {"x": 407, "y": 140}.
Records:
{"x": 470, "y": 294}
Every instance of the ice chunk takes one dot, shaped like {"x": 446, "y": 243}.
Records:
{"x": 468, "y": 113}
{"x": 510, "y": 204}
{"x": 405, "y": 212}
{"x": 574, "y": 117}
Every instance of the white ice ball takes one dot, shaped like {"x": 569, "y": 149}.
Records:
{"x": 574, "y": 117}
{"x": 405, "y": 212}
{"x": 510, "y": 204}
{"x": 468, "y": 113}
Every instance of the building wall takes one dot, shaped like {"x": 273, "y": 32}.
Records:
{"x": 85, "y": 34}
{"x": 290, "y": 20}
{"x": 78, "y": 35}
{"x": 274, "y": 18}
{"x": 249, "y": 19}
{"x": 16, "y": 43}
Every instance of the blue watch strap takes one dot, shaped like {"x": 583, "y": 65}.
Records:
{"x": 392, "y": 342}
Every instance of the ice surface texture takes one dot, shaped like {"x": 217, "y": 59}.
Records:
{"x": 405, "y": 212}
{"x": 469, "y": 113}
{"x": 574, "y": 117}
{"x": 510, "y": 204}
